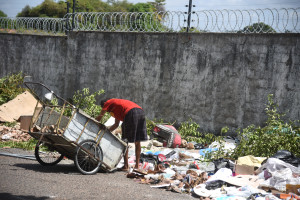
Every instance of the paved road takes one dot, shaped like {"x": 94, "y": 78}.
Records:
{"x": 23, "y": 179}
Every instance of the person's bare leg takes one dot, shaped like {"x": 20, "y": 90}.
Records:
{"x": 137, "y": 154}
{"x": 126, "y": 160}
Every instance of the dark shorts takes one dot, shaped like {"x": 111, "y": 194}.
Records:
{"x": 134, "y": 126}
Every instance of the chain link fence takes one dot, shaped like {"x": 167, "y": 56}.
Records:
{"x": 284, "y": 20}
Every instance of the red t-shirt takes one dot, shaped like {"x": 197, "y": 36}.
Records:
{"x": 119, "y": 107}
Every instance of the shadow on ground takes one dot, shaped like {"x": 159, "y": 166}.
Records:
{"x": 8, "y": 196}
{"x": 59, "y": 168}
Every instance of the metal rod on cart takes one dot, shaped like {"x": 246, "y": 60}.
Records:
{"x": 33, "y": 93}
{"x": 83, "y": 130}
{"x": 32, "y": 119}
{"x": 59, "y": 119}
{"x": 99, "y": 132}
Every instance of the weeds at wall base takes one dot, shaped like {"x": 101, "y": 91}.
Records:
{"x": 29, "y": 145}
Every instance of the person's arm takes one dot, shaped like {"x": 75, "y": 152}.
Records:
{"x": 101, "y": 115}
{"x": 116, "y": 125}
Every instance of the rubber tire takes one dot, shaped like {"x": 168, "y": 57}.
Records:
{"x": 41, "y": 160}
{"x": 84, "y": 163}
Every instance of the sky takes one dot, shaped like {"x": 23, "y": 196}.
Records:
{"x": 13, "y": 7}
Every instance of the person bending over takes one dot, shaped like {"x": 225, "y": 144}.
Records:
{"x": 133, "y": 126}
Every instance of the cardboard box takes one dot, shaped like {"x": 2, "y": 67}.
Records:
{"x": 25, "y": 121}
{"x": 244, "y": 169}
{"x": 293, "y": 189}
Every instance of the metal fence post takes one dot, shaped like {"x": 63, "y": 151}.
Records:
{"x": 67, "y": 20}
{"x": 189, "y": 16}
{"x": 73, "y": 16}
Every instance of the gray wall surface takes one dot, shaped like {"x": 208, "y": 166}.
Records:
{"x": 216, "y": 80}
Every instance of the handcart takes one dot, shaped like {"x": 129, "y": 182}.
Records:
{"x": 63, "y": 130}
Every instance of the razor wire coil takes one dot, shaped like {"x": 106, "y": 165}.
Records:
{"x": 284, "y": 20}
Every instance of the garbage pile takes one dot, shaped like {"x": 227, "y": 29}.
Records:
{"x": 13, "y": 134}
{"x": 184, "y": 170}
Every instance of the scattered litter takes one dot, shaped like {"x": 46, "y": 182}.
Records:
{"x": 184, "y": 170}
{"x": 13, "y": 134}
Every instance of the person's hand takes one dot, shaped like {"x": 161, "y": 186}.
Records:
{"x": 100, "y": 115}
{"x": 98, "y": 118}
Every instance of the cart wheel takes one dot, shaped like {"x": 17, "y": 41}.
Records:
{"x": 87, "y": 164}
{"x": 47, "y": 156}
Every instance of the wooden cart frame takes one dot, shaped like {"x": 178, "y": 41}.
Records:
{"x": 78, "y": 137}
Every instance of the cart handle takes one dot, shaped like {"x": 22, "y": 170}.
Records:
{"x": 36, "y": 96}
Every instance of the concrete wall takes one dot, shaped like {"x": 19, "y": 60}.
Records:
{"x": 216, "y": 80}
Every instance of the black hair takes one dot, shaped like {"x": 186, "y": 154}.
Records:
{"x": 102, "y": 102}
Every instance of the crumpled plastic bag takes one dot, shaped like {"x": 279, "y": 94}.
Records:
{"x": 212, "y": 185}
{"x": 168, "y": 173}
{"x": 202, "y": 152}
{"x": 221, "y": 174}
{"x": 223, "y": 163}
{"x": 279, "y": 179}
{"x": 274, "y": 164}
{"x": 229, "y": 145}
{"x": 244, "y": 191}
{"x": 170, "y": 154}
{"x": 287, "y": 157}
{"x": 201, "y": 190}
{"x": 234, "y": 197}
{"x": 7, "y": 136}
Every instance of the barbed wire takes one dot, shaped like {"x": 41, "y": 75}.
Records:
{"x": 35, "y": 24}
{"x": 284, "y": 20}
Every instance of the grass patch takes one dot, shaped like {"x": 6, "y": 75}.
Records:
{"x": 29, "y": 145}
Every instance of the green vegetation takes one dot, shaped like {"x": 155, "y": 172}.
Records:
{"x": 50, "y": 8}
{"x": 151, "y": 124}
{"x": 85, "y": 101}
{"x": 10, "y": 87}
{"x": 190, "y": 131}
{"x": 2, "y": 14}
{"x": 29, "y": 145}
{"x": 258, "y": 28}
{"x": 149, "y": 22}
{"x": 266, "y": 141}
{"x": 10, "y": 124}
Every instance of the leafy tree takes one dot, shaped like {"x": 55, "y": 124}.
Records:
{"x": 90, "y": 6}
{"x": 159, "y": 5}
{"x": 2, "y": 14}
{"x": 258, "y": 28}
{"x": 142, "y": 7}
{"x": 149, "y": 22}
{"x": 119, "y": 6}
{"x": 25, "y": 12}
{"x": 146, "y": 22}
{"x": 11, "y": 86}
{"x": 48, "y": 8}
